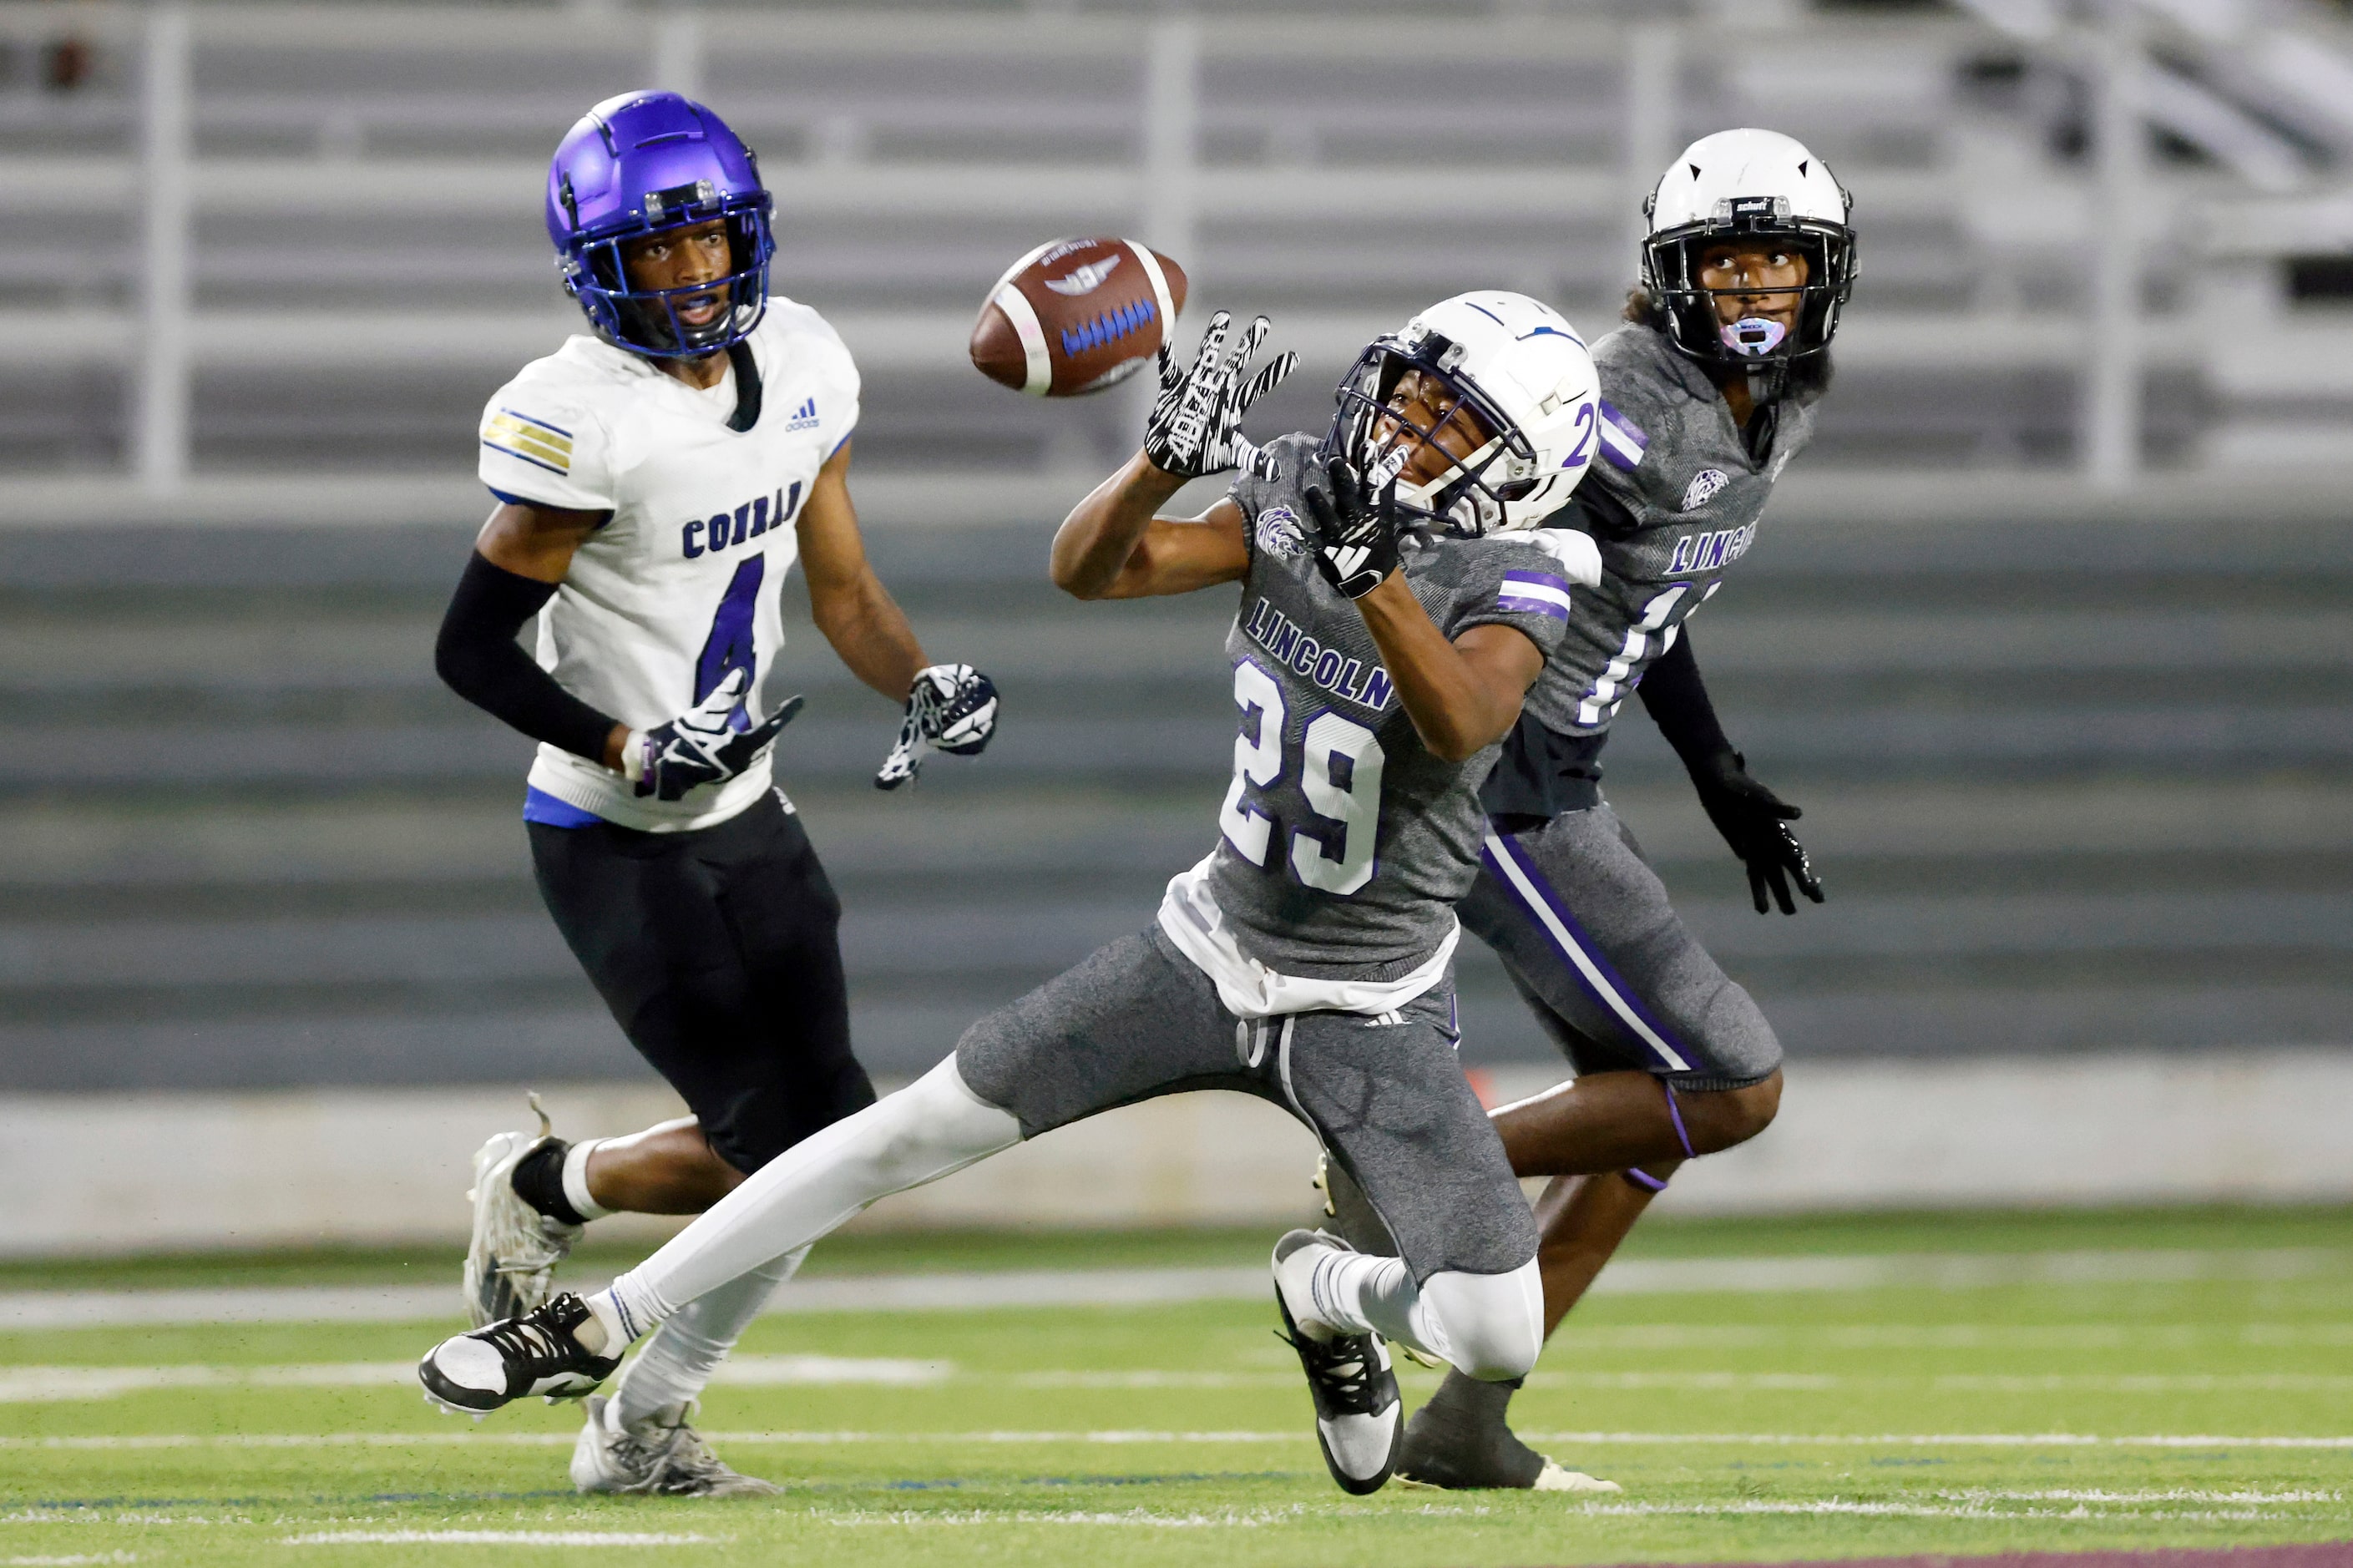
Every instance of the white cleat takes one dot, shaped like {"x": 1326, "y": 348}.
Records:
{"x": 540, "y": 1352}
{"x": 662, "y": 1456}
{"x": 510, "y": 1259}
{"x": 1358, "y": 1415}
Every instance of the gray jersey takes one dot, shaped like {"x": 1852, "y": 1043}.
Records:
{"x": 1347, "y": 842}
{"x": 1687, "y": 493}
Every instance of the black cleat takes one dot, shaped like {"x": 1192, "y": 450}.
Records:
{"x": 1458, "y": 1442}
{"x": 535, "y": 1353}
{"x": 1359, "y": 1415}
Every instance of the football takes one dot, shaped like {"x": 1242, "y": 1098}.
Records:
{"x": 1075, "y": 316}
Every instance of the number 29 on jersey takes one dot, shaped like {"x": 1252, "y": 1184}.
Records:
{"x": 1338, "y": 770}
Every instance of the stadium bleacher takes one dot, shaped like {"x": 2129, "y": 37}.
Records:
{"x": 2075, "y": 785}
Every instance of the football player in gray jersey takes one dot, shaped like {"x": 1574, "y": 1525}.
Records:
{"x": 1708, "y": 393}
{"x": 1397, "y": 604}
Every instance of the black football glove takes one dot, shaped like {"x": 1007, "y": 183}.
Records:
{"x": 951, "y": 708}
{"x": 1195, "y": 424}
{"x": 700, "y": 746}
{"x": 1354, "y": 532}
{"x": 1756, "y": 822}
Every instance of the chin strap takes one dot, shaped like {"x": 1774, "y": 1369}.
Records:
{"x": 747, "y": 387}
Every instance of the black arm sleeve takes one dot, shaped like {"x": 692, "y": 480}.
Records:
{"x": 478, "y": 656}
{"x": 1678, "y": 704}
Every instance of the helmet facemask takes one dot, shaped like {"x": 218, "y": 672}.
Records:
{"x": 1671, "y": 276}
{"x": 647, "y": 320}
{"x": 1377, "y": 441}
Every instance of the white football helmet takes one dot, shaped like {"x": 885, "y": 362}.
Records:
{"x": 1733, "y": 186}
{"x": 1516, "y": 364}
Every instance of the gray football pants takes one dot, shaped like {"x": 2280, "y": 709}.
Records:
{"x": 1584, "y": 929}
{"x": 1136, "y": 1020}
{"x": 1385, "y": 1095}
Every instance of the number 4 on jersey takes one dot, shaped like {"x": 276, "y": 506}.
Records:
{"x": 729, "y": 646}
{"x": 1340, "y": 775}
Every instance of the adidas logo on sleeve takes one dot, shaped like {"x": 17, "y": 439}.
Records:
{"x": 805, "y": 416}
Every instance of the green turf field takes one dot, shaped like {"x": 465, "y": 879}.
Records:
{"x": 2189, "y": 1382}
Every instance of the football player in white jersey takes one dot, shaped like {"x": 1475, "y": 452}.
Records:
{"x": 655, "y": 483}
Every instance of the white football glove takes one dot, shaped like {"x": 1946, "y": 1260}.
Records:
{"x": 1196, "y": 425}
{"x": 951, "y": 708}
{"x": 700, "y": 745}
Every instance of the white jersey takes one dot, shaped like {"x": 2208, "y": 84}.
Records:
{"x": 680, "y": 586}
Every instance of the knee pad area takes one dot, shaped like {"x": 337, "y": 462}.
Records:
{"x": 1493, "y": 1323}
{"x": 1727, "y": 1118}
{"x": 934, "y": 1125}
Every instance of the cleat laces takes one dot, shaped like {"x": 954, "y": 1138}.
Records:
{"x": 688, "y": 1466}
{"x": 540, "y": 1344}
{"x": 1340, "y": 1373}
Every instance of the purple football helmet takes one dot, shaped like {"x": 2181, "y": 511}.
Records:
{"x": 639, "y": 164}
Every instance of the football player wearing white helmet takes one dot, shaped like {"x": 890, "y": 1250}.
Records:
{"x": 1708, "y": 393}
{"x": 1396, "y": 607}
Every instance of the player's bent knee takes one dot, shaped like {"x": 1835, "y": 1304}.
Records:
{"x": 1727, "y": 1117}
{"x": 1494, "y": 1323}
{"x": 1753, "y": 1108}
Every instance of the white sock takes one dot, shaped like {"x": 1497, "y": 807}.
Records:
{"x": 1355, "y": 1293}
{"x": 1489, "y": 1325}
{"x": 575, "y": 1180}
{"x": 931, "y": 1128}
{"x": 678, "y": 1361}
{"x": 607, "y": 1331}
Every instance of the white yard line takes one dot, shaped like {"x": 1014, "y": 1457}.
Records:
{"x": 28, "y": 1310}
{"x": 37, "y": 1385}
{"x": 1231, "y": 1518}
{"x": 1938, "y": 1440}
{"x": 494, "y": 1538}
{"x": 1979, "y": 1494}
{"x": 1250, "y": 1519}
{"x": 1137, "y": 1437}
{"x": 1956, "y": 1336}
{"x": 49, "y": 1384}
{"x": 1819, "y": 1507}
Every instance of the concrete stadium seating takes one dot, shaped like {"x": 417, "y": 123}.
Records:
{"x": 2073, "y": 784}
{"x": 2070, "y": 790}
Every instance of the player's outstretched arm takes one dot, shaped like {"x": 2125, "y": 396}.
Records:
{"x": 521, "y": 554}
{"x": 868, "y": 630}
{"x": 1116, "y": 545}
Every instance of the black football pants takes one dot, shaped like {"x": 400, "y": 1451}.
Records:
{"x": 716, "y": 950}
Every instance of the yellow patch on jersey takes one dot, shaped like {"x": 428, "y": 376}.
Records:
{"x": 536, "y": 441}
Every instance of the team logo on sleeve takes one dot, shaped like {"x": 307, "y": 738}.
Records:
{"x": 1702, "y": 488}
{"x": 536, "y": 441}
{"x": 1280, "y": 534}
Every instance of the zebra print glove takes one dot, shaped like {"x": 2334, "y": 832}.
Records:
{"x": 1196, "y": 425}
